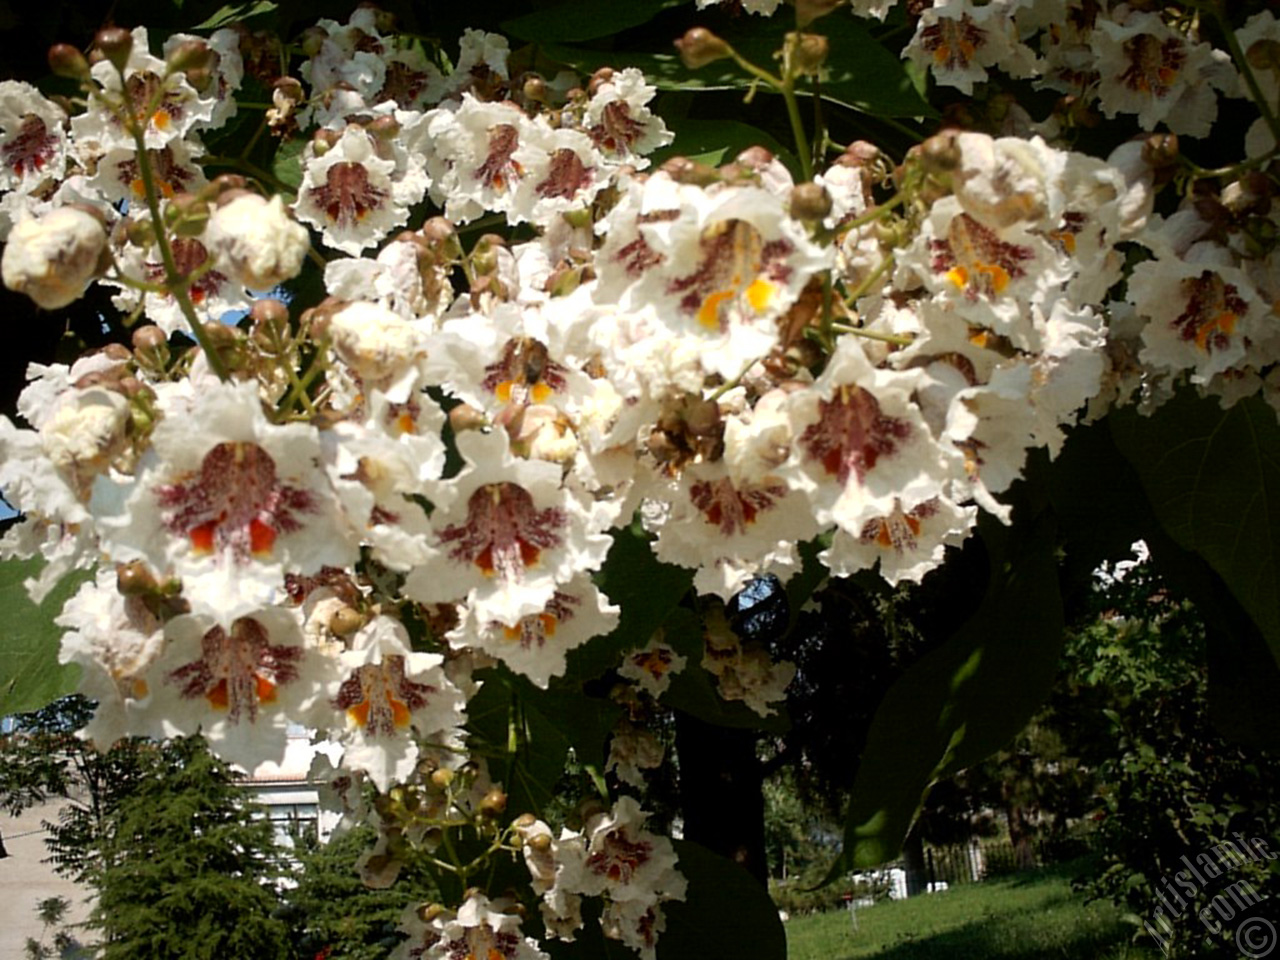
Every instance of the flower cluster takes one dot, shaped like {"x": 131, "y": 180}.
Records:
{"x": 340, "y": 515}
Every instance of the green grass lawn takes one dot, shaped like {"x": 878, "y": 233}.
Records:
{"x": 1031, "y": 916}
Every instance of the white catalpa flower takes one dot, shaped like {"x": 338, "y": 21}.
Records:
{"x": 114, "y": 639}
{"x": 906, "y": 544}
{"x": 211, "y": 291}
{"x": 242, "y": 686}
{"x": 862, "y": 443}
{"x": 402, "y": 278}
{"x": 744, "y": 673}
{"x": 718, "y": 267}
{"x": 652, "y": 666}
{"x": 163, "y": 103}
{"x": 347, "y": 193}
{"x": 255, "y": 241}
{"x": 959, "y": 40}
{"x": 1201, "y": 314}
{"x": 483, "y": 154}
{"x": 33, "y": 143}
{"x": 386, "y": 697}
{"x": 536, "y": 645}
{"x": 482, "y": 929}
{"x": 225, "y": 75}
{"x": 513, "y": 535}
{"x": 1150, "y": 69}
{"x": 380, "y": 467}
{"x": 53, "y": 258}
{"x": 173, "y": 171}
{"x": 619, "y": 120}
{"x": 226, "y": 501}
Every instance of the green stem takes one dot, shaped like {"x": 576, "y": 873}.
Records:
{"x": 174, "y": 279}
{"x": 876, "y": 212}
{"x": 724, "y": 388}
{"x": 788, "y": 91}
{"x": 1246, "y": 71}
{"x": 896, "y": 339}
{"x": 870, "y": 280}
{"x": 785, "y": 85}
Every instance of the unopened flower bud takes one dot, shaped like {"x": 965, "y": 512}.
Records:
{"x": 699, "y": 47}
{"x": 465, "y": 417}
{"x": 535, "y": 89}
{"x": 442, "y": 778}
{"x": 191, "y": 54}
{"x": 134, "y": 579}
{"x": 270, "y": 321}
{"x": 808, "y": 11}
{"x": 807, "y": 52}
{"x": 493, "y": 804}
{"x": 385, "y": 127}
{"x": 1263, "y": 54}
{"x": 115, "y": 43}
{"x": 703, "y": 418}
{"x": 1160, "y": 150}
{"x": 345, "y": 621}
{"x": 140, "y": 233}
{"x": 429, "y": 911}
{"x": 484, "y": 255}
{"x": 684, "y": 170}
{"x": 809, "y": 201}
{"x": 598, "y": 79}
{"x": 223, "y": 184}
{"x": 313, "y": 39}
{"x": 151, "y": 347}
{"x": 187, "y": 215}
{"x": 66, "y": 61}
{"x": 540, "y": 842}
{"x": 524, "y": 821}
{"x": 257, "y": 241}
{"x": 52, "y": 258}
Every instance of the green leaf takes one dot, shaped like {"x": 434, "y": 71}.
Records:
{"x": 585, "y": 721}
{"x": 645, "y": 588}
{"x": 714, "y": 141}
{"x": 964, "y": 700}
{"x": 577, "y": 20}
{"x": 1213, "y": 479}
{"x": 286, "y": 165}
{"x": 726, "y": 913}
{"x": 30, "y": 675}
{"x": 526, "y": 750}
{"x": 860, "y": 72}
{"x": 235, "y": 13}
{"x": 693, "y": 689}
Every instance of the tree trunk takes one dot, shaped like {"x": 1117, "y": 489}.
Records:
{"x": 721, "y": 792}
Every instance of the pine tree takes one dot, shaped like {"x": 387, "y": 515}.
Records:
{"x": 341, "y": 918}
{"x": 186, "y": 870}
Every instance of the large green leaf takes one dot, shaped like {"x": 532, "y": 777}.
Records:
{"x": 726, "y": 914}
{"x": 526, "y": 750}
{"x": 964, "y": 700}
{"x": 1213, "y": 479}
{"x": 646, "y": 589}
{"x": 715, "y": 141}
{"x": 576, "y": 20}
{"x": 30, "y": 675}
{"x": 860, "y": 72}
{"x": 236, "y": 13}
